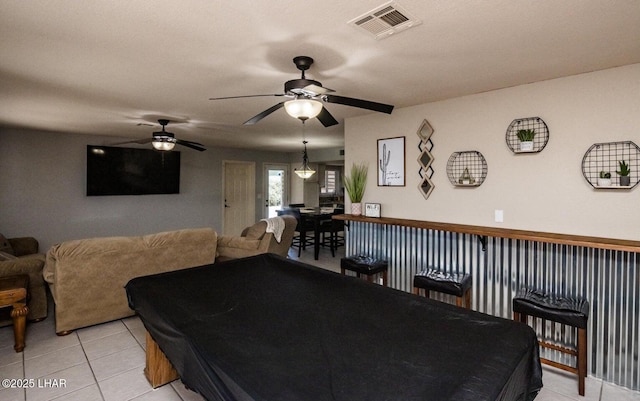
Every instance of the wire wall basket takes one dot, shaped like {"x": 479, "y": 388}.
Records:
{"x": 467, "y": 168}
{"x": 601, "y": 164}
{"x": 539, "y": 140}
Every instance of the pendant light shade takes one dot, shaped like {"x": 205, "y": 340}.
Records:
{"x": 304, "y": 171}
{"x": 303, "y": 109}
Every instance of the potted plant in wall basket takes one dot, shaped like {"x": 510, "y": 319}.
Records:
{"x": 355, "y": 184}
{"x": 624, "y": 172}
{"x": 526, "y": 139}
{"x": 605, "y": 179}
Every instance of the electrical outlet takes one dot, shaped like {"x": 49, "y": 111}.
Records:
{"x": 499, "y": 216}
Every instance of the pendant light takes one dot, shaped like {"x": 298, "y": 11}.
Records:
{"x": 304, "y": 171}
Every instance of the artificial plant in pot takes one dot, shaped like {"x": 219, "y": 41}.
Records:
{"x": 355, "y": 184}
{"x": 605, "y": 179}
{"x": 625, "y": 179}
{"x": 526, "y": 139}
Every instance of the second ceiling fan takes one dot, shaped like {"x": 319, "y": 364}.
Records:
{"x": 307, "y": 98}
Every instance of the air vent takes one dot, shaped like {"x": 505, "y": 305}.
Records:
{"x": 385, "y": 20}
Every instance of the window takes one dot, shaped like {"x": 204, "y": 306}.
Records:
{"x": 330, "y": 182}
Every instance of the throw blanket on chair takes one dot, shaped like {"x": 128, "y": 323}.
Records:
{"x": 275, "y": 225}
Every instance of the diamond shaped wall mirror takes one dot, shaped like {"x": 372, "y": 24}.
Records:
{"x": 425, "y": 159}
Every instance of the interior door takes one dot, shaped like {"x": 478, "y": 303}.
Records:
{"x": 239, "y": 196}
{"x": 276, "y": 181}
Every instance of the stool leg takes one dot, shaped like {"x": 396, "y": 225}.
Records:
{"x": 582, "y": 359}
{"x": 519, "y": 317}
{"x": 459, "y": 301}
{"x": 384, "y": 278}
{"x": 333, "y": 244}
{"x": 416, "y": 291}
{"x": 342, "y": 271}
{"x": 370, "y": 278}
{"x": 19, "y": 316}
{"x": 467, "y": 299}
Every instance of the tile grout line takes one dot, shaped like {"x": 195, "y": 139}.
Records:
{"x": 95, "y": 379}
{"x": 24, "y": 373}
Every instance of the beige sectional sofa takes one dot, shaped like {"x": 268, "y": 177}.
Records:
{"x": 87, "y": 277}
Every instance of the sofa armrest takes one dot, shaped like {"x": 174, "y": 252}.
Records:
{"x": 30, "y": 266}
{"x": 24, "y": 245}
{"x": 233, "y": 247}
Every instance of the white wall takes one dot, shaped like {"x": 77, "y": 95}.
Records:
{"x": 43, "y": 192}
{"x": 544, "y": 191}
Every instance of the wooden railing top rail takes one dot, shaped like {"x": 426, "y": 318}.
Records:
{"x": 564, "y": 239}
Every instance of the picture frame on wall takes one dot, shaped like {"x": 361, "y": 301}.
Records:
{"x": 391, "y": 162}
{"x": 372, "y": 210}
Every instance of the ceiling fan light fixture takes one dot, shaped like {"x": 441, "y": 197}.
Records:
{"x": 303, "y": 109}
{"x": 163, "y": 143}
{"x": 304, "y": 171}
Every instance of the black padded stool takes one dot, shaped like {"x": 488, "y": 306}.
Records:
{"x": 569, "y": 311}
{"x": 362, "y": 264}
{"x": 455, "y": 284}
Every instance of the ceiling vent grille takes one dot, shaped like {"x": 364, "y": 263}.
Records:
{"x": 385, "y": 20}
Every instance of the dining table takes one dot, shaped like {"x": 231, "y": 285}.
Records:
{"x": 317, "y": 215}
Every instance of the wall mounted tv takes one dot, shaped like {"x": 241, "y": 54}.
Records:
{"x": 131, "y": 171}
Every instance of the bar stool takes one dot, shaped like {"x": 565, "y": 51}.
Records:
{"x": 572, "y": 312}
{"x": 363, "y": 264}
{"x": 455, "y": 284}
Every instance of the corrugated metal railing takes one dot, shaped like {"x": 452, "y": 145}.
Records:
{"x": 609, "y": 279}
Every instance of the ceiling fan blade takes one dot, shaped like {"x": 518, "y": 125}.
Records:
{"x": 326, "y": 118}
{"x": 193, "y": 145}
{"x": 191, "y": 142}
{"x": 363, "y": 104}
{"x": 265, "y": 113}
{"x": 240, "y": 97}
{"x": 315, "y": 90}
{"x": 140, "y": 141}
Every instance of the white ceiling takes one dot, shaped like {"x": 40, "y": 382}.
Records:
{"x": 103, "y": 67}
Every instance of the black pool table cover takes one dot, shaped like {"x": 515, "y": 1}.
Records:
{"x": 268, "y": 328}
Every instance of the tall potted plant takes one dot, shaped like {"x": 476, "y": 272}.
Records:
{"x": 355, "y": 184}
{"x": 625, "y": 179}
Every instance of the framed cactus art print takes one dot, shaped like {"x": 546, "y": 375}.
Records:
{"x": 391, "y": 165}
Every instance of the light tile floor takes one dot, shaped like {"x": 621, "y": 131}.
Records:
{"x": 105, "y": 363}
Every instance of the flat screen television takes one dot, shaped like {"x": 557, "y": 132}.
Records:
{"x": 131, "y": 171}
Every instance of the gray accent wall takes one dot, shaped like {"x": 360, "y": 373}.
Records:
{"x": 43, "y": 190}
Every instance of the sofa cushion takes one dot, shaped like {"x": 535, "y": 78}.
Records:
{"x": 6, "y": 256}
{"x": 5, "y": 246}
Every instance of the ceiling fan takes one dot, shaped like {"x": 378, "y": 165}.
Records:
{"x": 163, "y": 140}
{"x": 307, "y": 97}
